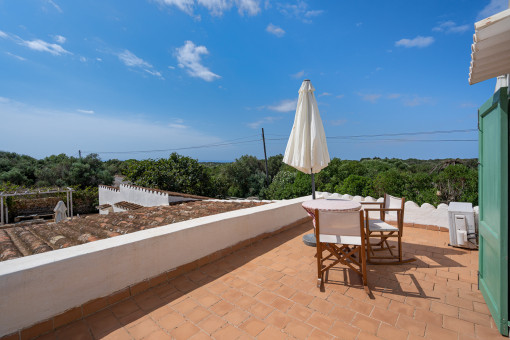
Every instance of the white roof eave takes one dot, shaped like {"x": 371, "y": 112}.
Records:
{"x": 490, "y": 55}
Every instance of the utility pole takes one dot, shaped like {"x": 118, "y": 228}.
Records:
{"x": 265, "y": 155}
{"x": 79, "y": 152}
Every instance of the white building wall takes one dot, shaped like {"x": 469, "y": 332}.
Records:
{"x": 142, "y": 196}
{"x": 108, "y": 195}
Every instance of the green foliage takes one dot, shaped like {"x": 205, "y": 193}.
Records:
{"x": 289, "y": 184}
{"x": 458, "y": 183}
{"x": 356, "y": 185}
{"x": 177, "y": 173}
{"x": 392, "y": 182}
{"x": 245, "y": 177}
{"x": 421, "y": 181}
{"x": 56, "y": 170}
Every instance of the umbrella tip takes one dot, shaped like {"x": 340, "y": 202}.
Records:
{"x": 306, "y": 80}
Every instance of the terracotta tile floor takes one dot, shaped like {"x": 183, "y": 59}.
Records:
{"x": 268, "y": 291}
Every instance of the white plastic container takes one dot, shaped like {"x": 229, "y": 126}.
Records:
{"x": 461, "y": 222}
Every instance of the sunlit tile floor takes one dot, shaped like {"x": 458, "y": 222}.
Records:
{"x": 268, "y": 291}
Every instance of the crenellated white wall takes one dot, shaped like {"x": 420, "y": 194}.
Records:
{"x": 138, "y": 195}
{"x": 108, "y": 195}
{"x": 142, "y": 196}
{"x": 426, "y": 214}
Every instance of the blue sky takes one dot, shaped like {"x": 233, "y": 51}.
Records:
{"x": 108, "y": 76}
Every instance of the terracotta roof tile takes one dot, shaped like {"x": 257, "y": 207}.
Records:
{"x": 38, "y": 236}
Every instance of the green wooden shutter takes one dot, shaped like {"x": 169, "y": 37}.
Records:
{"x": 493, "y": 196}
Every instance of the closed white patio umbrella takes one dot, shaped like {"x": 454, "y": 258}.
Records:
{"x": 307, "y": 150}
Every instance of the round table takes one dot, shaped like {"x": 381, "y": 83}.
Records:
{"x": 326, "y": 205}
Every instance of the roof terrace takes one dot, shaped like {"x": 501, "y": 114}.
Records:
{"x": 265, "y": 288}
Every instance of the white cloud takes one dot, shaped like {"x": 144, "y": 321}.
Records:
{"x": 99, "y": 59}
{"x": 273, "y": 29}
{"x": 417, "y": 101}
{"x": 131, "y": 60}
{"x": 89, "y": 112}
{"x": 370, "y": 97}
{"x": 338, "y": 122}
{"x": 177, "y": 126}
{"x": 215, "y": 7}
{"x": 60, "y": 39}
{"x": 358, "y": 24}
{"x": 286, "y": 105}
{"x": 313, "y": 13}
{"x": 15, "y": 56}
{"x": 325, "y": 94}
{"x": 57, "y": 7}
{"x": 298, "y": 10}
{"x": 252, "y": 7}
{"x": 3, "y": 35}
{"x": 419, "y": 41}
{"x": 189, "y": 58}
{"x": 83, "y": 59}
{"x": 469, "y": 105}
{"x": 394, "y": 96}
{"x": 154, "y": 73}
{"x": 340, "y": 96}
{"x": 43, "y": 46}
{"x": 298, "y": 75}
{"x": 495, "y": 6}
{"x": 265, "y": 120}
{"x": 4, "y": 100}
{"x": 450, "y": 27}
{"x": 171, "y": 67}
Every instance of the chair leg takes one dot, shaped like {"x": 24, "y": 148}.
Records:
{"x": 400, "y": 247}
{"x": 319, "y": 264}
{"x": 363, "y": 266}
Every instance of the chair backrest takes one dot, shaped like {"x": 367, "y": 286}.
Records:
{"x": 392, "y": 202}
{"x": 340, "y": 223}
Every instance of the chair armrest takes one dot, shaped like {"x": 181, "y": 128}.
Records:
{"x": 399, "y": 212}
{"x": 384, "y": 209}
{"x": 379, "y": 203}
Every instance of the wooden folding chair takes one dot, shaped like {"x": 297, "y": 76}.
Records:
{"x": 342, "y": 234}
{"x": 382, "y": 231}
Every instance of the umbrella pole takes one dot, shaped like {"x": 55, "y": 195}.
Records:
{"x": 313, "y": 185}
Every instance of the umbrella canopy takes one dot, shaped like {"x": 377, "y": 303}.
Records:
{"x": 307, "y": 150}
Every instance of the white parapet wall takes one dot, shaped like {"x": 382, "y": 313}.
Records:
{"x": 38, "y": 287}
{"x": 143, "y": 196}
{"x": 426, "y": 214}
{"x": 108, "y": 195}
{"x": 133, "y": 194}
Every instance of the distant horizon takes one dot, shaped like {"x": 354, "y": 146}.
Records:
{"x": 260, "y": 158}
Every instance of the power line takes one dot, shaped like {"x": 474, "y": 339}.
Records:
{"x": 388, "y": 134}
{"x": 406, "y": 133}
{"x": 183, "y": 148}
{"x": 345, "y": 139}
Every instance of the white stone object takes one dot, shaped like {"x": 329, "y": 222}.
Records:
{"x": 60, "y": 211}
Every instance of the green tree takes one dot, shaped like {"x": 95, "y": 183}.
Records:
{"x": 357, "y": 185}
{"x": 177, "y": 173}
{"x": 392, "y": 182}
{"x": 458, "y": 183}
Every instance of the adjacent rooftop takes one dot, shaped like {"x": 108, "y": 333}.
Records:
{"x": 34, "y": 237}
